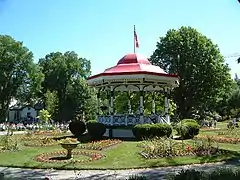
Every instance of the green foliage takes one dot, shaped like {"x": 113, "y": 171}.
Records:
{"x": 187, "y": 128}
{"x": 44, "y": 116}
{"x": 65, "y": 74}
{"x": 77, "y": 128}
{"x": 121, "y": 102}
{"x": 16, "y": 68}
{"x": 96, "y": 129}
{"x": 30, "y": 90}
{"x": 142, "y": 131}
{"x": 234, "y": 99}
{"x": 8, "y": 143}
{"x": 204, "y": 78}
{"x": 82, "y": 99}
{"x": 188, "y": 121}
{"x": 217, "y": 174}
{"x": 51, "y": 102}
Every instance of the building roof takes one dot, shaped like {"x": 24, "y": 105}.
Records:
{"x": 133, "y": 64}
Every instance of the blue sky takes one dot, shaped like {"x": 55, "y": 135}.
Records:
{"x": 102, "y": 30}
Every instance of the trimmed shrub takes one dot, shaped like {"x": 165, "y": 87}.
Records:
{"x": 96, "y": 129}
{"x": 161, "y": 130}
{"x": 142, "y": 131}
{"x": 187, "y": 128}
{"x": 77, "y": 128}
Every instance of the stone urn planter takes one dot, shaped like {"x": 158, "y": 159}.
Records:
{"x": 69, "y": 144}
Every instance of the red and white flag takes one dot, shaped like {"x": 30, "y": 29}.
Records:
{"x": 136, "y": 38}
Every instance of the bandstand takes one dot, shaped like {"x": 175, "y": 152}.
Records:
{"x": 133, "y": 73}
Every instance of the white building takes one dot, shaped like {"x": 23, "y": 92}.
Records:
{"x": 20, "y": 113}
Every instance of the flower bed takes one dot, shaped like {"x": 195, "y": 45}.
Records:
{"x": 8, "y": 149}
{"x": 167, "y": 148}
{"x": 8, "y": 144}
{"x": 49, "y": 133}
{"x": 59, "y": 157}
{"x": 99, "y": 145}
{"x": 220, "y": 139}
{"x": 230, "y": 133}
{"x": 41, "y": 142}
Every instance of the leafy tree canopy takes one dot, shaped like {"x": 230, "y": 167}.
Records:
{"x": 65, "y": 74}
{"x": 16, "y": 70}
{"x": 204, "y": 77}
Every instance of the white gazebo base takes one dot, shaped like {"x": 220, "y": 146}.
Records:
{"x": 119, "y": 133}
{"x": 120, "y": 126}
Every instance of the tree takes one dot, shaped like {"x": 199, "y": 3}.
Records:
{"x": 44, "y": 116}
{"x": 29, "y": 91}
{"x": 121, "y": 102}
{"x": 61, "y": 71}
{"x": 81, "y": 99}
{"x": 203, "y": 75}
{"x": 16, "y": 65}
{"x": 51, "y": 102}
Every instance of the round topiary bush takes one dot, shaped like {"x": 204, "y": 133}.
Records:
{"x": 187, "y": 128}
{"x": 96, "y": 129}
{"x": 142, "y": 131}
{"x": 77, "y": 128}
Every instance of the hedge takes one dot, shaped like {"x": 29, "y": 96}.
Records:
{"x": 142, "y": 131}
{"x": 96, "y": 129}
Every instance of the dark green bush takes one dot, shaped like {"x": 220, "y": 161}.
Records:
{"x": 142, "y": 131}
{"x": 161, "y": 130}
{"x": 187, "y": 128}
{"x": 217, "y": 174}
{"x": 77, "y": 128}
{"x": 186, "y": 175}
{"x": 96, "y": 129}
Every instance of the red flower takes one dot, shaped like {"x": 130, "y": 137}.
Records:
{"x": 189, "y": 148}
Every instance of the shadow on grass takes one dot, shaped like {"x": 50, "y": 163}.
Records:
{"x": 59, "y": 158}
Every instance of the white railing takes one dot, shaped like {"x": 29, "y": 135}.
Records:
{"x": 127, "y": 120}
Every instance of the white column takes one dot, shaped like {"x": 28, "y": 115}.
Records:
{"x": 141, "y": 105}
{"x": 166, "y": 102}
{"x": 111, "y": 104}
{"x": 129, "y": 107}
{"x": 153, "y": 103}
{"x": 98, "y": 102}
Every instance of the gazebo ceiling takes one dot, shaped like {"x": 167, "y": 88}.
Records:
{"x": 133, "y": 67}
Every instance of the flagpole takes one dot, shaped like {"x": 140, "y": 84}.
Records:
{"x": 134, "y": 41}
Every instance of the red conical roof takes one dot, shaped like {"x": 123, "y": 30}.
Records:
{"x": 133, "y": 58}
{"x": 133, "y": 64}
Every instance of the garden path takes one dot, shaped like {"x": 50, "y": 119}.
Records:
{"x": 15, "y": 132}
{"x": 153, "y": 173}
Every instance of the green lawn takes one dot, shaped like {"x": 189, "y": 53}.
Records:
{"x": 122, "y": 156}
